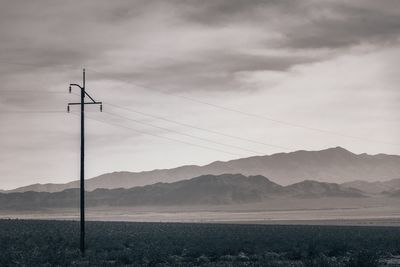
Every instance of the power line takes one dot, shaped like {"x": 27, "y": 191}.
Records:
{"x": 186, "y": 125}
{"x": 184, "y": 134}
{"x": 30, "y": 111}
{"x": 7, "y": 62}
{"x": 31, "y": 91}
{"x": 195, "y": 127}
{"x": 168, "y": 138}
{"x": 262, "y": 117}
{"x": 29, "y": 64}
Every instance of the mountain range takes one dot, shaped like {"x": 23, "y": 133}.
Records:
{"x": 336, "y": 165}
{"x": 203, "y": 190}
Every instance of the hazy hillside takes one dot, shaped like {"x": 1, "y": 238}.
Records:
{"x": 310, "y": 189}
{"x": 331, "y": 165}
{"x": 203, "y": 190}
{"x": 392, "y": 193}
{"x": 44, "y": 187}
{"x": 374, "y": 187}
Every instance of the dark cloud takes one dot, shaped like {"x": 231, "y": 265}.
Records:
{"x": 306, "y": 24}
{"x": 69, "y": 36}
{"x": 211, "y": 71}
{"x": 225, "y": 12}
{"x": 344, "y": 26}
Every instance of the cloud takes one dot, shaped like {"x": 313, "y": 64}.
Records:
{"x": 204, "y": 46}
{"x": 258, "y": 56}
{"x": 307, "y": 24}
{"x": 187, "y": 45}
{"x": 341, "y": 25}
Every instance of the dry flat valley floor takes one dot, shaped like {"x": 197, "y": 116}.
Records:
{"x": 364, "y": 211}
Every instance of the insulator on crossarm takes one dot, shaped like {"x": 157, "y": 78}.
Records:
{"x": 101, "y": 108}
{"x": 68, "y": 108}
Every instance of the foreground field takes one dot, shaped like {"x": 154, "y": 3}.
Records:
{"x": 38, "y": 243}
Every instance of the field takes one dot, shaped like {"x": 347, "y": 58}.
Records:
{"x": 55, "y": 243}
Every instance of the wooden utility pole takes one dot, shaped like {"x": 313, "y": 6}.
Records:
{"x": 82, "y": 161}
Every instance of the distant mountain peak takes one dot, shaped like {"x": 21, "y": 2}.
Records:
{"x": 335, "y": 164}
{"x": 338, "y": 150}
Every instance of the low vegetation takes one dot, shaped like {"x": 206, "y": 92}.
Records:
{"x": 55, "y": 243}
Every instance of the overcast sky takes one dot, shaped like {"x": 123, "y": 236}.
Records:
{"x": 276, "y": 76}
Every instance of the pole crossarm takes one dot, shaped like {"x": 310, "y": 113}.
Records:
{"x": 86, "y": 103}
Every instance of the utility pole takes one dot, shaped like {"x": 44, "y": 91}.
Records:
{"x": 82, "y": 167}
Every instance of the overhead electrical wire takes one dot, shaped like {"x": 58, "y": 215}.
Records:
{"x": 248, "y": 114}
{"x": 139, "y": 122}
{"x": 164, "y": 137}
{"x": 32, "y": 91}
{"x": 185, "y": 134}
{"x": 30, "y": 111}
{"x": 8, "y": 62}
{"x": 194, "y": 127}
{"x": 161, "y": 118}
{"x": 263, "y": 117}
